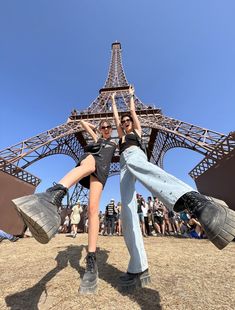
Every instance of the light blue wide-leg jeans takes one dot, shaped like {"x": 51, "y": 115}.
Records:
{"x": 130, "y": 222}
{"x": 134, "y": 165}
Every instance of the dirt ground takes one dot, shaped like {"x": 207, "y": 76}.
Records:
{"x": 186, "y": 274}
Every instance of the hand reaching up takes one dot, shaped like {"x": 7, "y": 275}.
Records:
{"x": 113, "y": 95}
{"x": 131, "y": 90}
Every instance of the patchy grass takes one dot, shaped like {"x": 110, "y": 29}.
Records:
{"x": 186, "y": 274}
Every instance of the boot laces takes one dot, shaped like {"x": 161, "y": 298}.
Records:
{"x": 90, "y": 263}
{"x": 58, "y": 192}
{"x": 192, "y": 201}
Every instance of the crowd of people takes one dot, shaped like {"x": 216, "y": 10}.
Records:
{"x": 154, "y": 217}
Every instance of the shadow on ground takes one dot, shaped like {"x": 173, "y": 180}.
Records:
{"x": 28, "y": 299}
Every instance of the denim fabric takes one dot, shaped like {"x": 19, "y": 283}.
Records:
{"x": 110, "y": 224}
{"x": 141, "y": 217}
{"x": 5, "y": 235}
{"x": 135, "y": 166}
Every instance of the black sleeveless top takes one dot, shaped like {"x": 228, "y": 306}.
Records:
{"x": 103, "y": 160}
{"x": 130, "y": 140}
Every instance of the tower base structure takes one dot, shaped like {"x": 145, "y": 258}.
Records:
{"x": 11, "y": 188}
{"x": 218, "y": 180}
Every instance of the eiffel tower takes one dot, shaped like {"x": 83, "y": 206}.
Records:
{"x": 214, "y": 175}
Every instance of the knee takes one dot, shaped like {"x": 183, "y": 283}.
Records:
{"x": 92, "y": 212}
{"x": 92, "y": 168}
{"x": 89, "y": 164}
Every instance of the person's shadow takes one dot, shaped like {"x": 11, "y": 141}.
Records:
{"x": 147, "y": 298}
{"x": 28, "y": 299}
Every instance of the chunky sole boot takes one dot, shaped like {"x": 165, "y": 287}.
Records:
{"x": 40, "y": 216}
{"x": 218, "y": 221}
{"x": 89, "y": 282}
{"x": 40, "y": 212}
{"x": 88, "y": 287}
{"x": 133, "y": 281}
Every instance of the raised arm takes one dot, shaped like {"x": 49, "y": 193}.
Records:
{"x": 116, "y": 116}
{"x": 134, "y": 116}
{"x": 89, "y": 129}
{"x": 91, "y": 126}
{"x": 193, "y": 221}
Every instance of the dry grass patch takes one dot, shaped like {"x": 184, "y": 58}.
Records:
{"x": 186, "y": 274}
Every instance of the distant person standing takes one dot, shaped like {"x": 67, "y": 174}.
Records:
{"x": 66, "y": 224}
{"x": 174, "y": 220}
{"x": 150, "y": 215}
{"x": 166, "y": 221}
{"x": 119, "y": 221}
{"x": 110, "y": 217}
{"x": 75, "y": 218}
{"x": 145, "y": 209}
{"x": 141, "y": 213}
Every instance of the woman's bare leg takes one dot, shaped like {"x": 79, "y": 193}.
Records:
{"x": 72, "y": 229}
{"x": 157, "y": 228}
{"x": 119, "y": 227}
{"x": 93, "y": 213}
{"x": 86, "y": 167}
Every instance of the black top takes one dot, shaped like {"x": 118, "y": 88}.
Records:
{"x": 107, "y": 151}
{"x": 130, "y": 140}
{"x": 102, "y": 160}
{"x": 139, "y": 206}
{"x": 110, "y": 209}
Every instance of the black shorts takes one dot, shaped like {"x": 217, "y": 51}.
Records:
{"x": 158, "y": 219}
{"x": 101, "y": 172}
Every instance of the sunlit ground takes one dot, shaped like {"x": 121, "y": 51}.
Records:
{"x": 186, "y": 274}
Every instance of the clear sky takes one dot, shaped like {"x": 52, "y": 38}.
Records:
{"x": 54, "y": 56}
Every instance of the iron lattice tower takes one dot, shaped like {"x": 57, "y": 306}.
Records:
{"x": 160, "y": 133}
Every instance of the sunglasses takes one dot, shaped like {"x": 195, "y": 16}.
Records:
{"x": 125, "y": 120}
{"x": 106, "y": 127}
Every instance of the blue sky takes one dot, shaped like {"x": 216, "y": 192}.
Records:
{"x": 54, "y": 56}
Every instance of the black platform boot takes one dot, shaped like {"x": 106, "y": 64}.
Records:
{"x": 90, "y": 278}
{"x": 40, "y": 212}
{"x": 218, "y": 221}
{"x": 131, "y": 281}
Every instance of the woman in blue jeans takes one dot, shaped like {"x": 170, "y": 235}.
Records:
{"x": 171, "y": 191}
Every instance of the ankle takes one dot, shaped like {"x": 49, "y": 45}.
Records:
{"x": 57, "y": 186}
{"x": 91, "y": 254}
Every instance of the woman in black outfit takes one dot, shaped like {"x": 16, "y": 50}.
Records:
{"x": 40, "y": 213}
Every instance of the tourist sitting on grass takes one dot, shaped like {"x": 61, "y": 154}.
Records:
{"x": 196, "y": 228}
{"x": 4, "y": 235}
